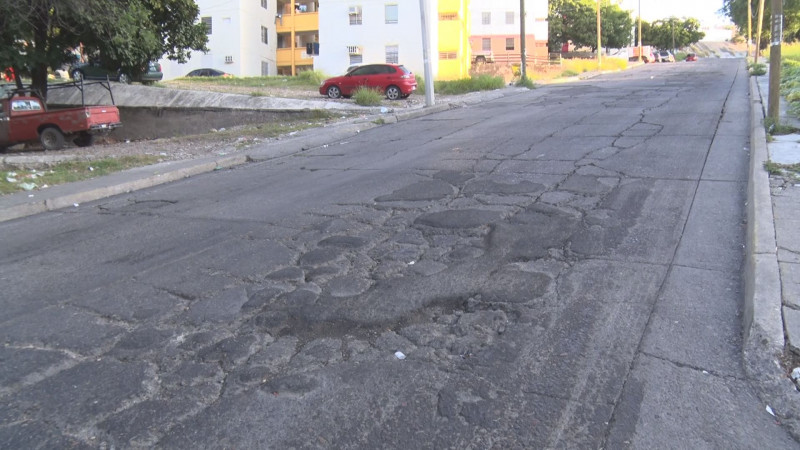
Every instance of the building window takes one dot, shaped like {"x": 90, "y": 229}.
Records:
{"x": 509, "y": 17}
{"x": 391, "y": 13}
{"x": 486, "y": 44}
{"x": 448, "y": 16}
{"x": 509, "y": 43}
{"x": 486, "y": 18}
{"x": 264, "y": 35}
{"x": 264, "y": 68}
{"x": 264, "y": 4}
{"x": 355, "y": 15}
{"x": 392, "y": 54}
{"x": 448, "y": 55}
{"x": 207, "y": 22}
{"x": 356, "y": 59}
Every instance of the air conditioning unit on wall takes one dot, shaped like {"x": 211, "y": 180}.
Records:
{"x": 354, "y": 49}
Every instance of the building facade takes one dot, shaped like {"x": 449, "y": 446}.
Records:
{"x": 496, "y": 29}
{"x": 242, "y": 39}
{"x": 297, "y": 25}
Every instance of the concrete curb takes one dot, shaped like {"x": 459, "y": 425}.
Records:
{"x": 763, "y": 323}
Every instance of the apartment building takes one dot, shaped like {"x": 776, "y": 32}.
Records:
{"x": 356, "y": 32}
{"x": 297, "y": 25}
{"x": 242, "y": 39}
{"x": 496, "y": 30}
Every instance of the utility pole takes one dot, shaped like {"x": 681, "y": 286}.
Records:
{"x": 758, "y": 33}
{"x": 425, "y": 57}
{"x": 640, "y": 30}
{"x": 749, "y": 25}
{"x": 773, "y": 109}
{"x": 522, "y": 52}
{"x": 599, "y": 41}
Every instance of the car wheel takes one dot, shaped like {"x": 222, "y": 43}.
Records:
{"x": 480, "y": 60}
{"x": 51, "y": 138}
{"x": 77, "y": 75}
{"x": 124, "y": 78}
{"x": 334, "y": 92}
{"x": 393, "y": 93}
{"x": 85, "y": 139}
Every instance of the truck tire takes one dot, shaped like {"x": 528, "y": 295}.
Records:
{"x": 480, "y": 59}
{"x": 51, "y": 138}
{"x": 84, "y": 139}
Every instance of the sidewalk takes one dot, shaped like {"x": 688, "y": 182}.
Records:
{"x": 772, "y": 277}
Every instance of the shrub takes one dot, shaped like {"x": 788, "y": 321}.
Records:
{"x": 367, "y": 97}
{"x": 757, "y": 69}
{"x": 526, "y": 82}
{"x": 314, "y": 77}
{"x": 569, "y": 73}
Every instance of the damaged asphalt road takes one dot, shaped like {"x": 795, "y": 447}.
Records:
{"x": 560, "y": 268}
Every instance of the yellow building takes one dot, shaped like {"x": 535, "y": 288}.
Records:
{"x": 297, "y": 25}
{"x": 453, "y": 37}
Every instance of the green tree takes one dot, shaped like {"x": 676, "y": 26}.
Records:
{"x": 36, "y": 35}
{"x": 576, "y": 21}
{"x": 672, "y": 33}
{"x": 615, "y": 26}
{"x": 736, "y": 10}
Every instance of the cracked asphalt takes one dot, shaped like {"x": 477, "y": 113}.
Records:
{"x": 560, "y": 268}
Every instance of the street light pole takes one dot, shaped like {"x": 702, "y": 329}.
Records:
{"x": 522, "y": 50}
{"x": 425, "y": 55}
{"x": 773, "y": 107}
{"x": 640, "y": 30}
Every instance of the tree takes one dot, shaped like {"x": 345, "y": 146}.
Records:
{"x": 576, "y": 21}
{"x": 615, "y": 26}
{"x": 672, "y": 33}
{"x": 736, "y": 10}
{"x": 39, "y": 34}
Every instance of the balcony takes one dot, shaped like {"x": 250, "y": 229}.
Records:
{"x": 299, "y": 22}
{"x": 301, "y": 58}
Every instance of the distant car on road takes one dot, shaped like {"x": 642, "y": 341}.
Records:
{"x": 208, "y": 73}
{"x": 691, "y": 57}
{"x": 96, "y": 71}
{"x": 394, "y": 80}
{"x": 665, "y": 56}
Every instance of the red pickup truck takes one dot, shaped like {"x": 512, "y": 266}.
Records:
{"x": 25, "y": 118}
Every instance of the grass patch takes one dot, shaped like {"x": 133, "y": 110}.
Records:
{"x": 526, "y": 82}
{"x": 67, "y": 172}
{"x": 569, "y": 73}
{"x": 774, "y": 128}
{"x": 367, "y": 97}
{"x": 757, "y": 69}
{"x": 462, "y": 86}
{"x": 774, "y": 168}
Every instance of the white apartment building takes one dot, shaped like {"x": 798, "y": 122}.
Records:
{"x": 241, "y": 39}
{"x": 495, "y": 29}
{"x": 374, "y": 31}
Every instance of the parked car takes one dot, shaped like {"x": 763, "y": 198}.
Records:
{"x": 95, "y": 70}
{"x": 208, "y": 73}
{"x": 392, "y": 79}
{"x": 25, "y": 118}
{"x": 665, "y": 56}
{"x": 649, "y": 57}
{"x": 691, "y": 57}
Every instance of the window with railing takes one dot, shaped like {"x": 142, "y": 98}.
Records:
{"x": 486, "y": 44}
{"x": 265, "y": 35}
{"x": 264, "y": 4}
{"x": 354, "y": 13}
{"x": 509, "y": 43}
{"x": 392, "y": 54}
{"x": 207, "y": 22}
{"x": 264, "y": 68}
{"x": 509, "y": 17}
{"x": 486, "y": 18}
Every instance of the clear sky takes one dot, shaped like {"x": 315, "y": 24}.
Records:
{"x": 704, "y": 10}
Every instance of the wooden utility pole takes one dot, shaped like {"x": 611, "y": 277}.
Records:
{"x": 640, "y": 30}
{"x": 749, "y": 25}
{"x": 773, "y": 109}
{"x": 599, "y": 41}
{"x": 758, "y": 33}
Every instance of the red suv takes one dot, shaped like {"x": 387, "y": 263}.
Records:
{"x": 394, "y": 80}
